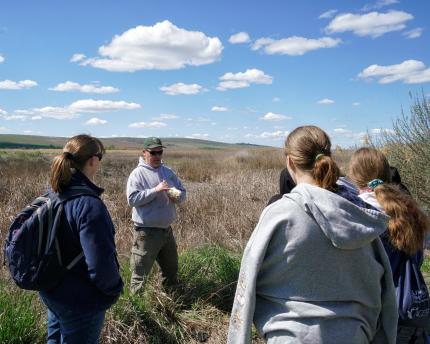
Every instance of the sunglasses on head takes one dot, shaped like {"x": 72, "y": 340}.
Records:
{"x": 99, "y": 155}
{"x": 155, "y": 153}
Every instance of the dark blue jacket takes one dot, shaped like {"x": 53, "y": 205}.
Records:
{"x": 94, "y": 283}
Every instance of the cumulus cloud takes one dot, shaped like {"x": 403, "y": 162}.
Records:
{"x": 380, "y": 131}
{"x": 355, "y": 104}
{"x": 372, "y": 24}
{"x": 77, "y": 58}
{"x": 342, "y": 131}
{"x": 326, "y": 101}
{"x": 163, "y": 46}
{"x": 91, "y": 105}
{"x": 1, "y": 58}
{"x": 294, "y": 45}
{"x": 243, "y": 79}
{"x": 76, "y": 108}
{"x": 409, "y": 72}
{"x": 17, "y": 85}
{"x": 181, "y": 88}
{"x": 219, "y": 109}
{"x": 165, "y": 117}
{"x": 273, "y": 135}
{"x": 69, "y": 86}
{"x": 199, "y": 136}
{"x": 238, "y": 38}
{"x": 328, "y": 14}
{"x": 276, "y": 99}
{"x": 414, "y": 33}
{"x": 270, "y": 116}
{"x": 96, "y": 121}
{"x": 3, "y": 129}
{"x": 379, "y": 4}
{"x": 154, "y": 124}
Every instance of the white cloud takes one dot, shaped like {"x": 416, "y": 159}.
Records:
{"x": 243, "y": 79}
{"x": 1, "y": 58}
{"x": 54, "y": 112}
{"x": 74, "y": 86}
{"x": 96, "y": 121}
{"x": 77, "y": 58}
{"x": 325, "y": 101}
{"x": 154, "y": 124}
{"x": 165, "y": 117}
{"x": 276, "y": 99}
{"x": 342, "y": 131}
{"x": 278, "y": 134}
{"x": 379, "y": 4}
{"x": 199, "y": 136}
{"x": 379, "y": 131}
{"x": 414, "y": 33}
{"x": 270, "y": 116}
{"x": 181, "y": 88}
{"x": 17, "y": 85}
{"x": 372, "y": 24}
{"x": 219, "y": 109}
{"x": 4, "y": 129}
{"x": 2, "y": 112}
{"x": 36, "y": 118}
{"x": 162, "y": 46}
{"x": 81, "y": 106}
{"x": 240, "y": 37}
{"x": 409, "y": 72}
{"x": 328, "y": 14}
{"x": 355, "y": 104}
{"x": 91, "y": 105}
{"x": 294, "y": 45}
{"x": 14, "y": 117}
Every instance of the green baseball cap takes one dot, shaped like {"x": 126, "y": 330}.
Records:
{"x": 152, "y": 142}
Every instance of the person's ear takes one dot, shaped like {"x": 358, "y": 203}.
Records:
{"x": 291, "y": 167}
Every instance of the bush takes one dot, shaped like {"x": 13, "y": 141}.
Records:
{"x": 407, "y": 147}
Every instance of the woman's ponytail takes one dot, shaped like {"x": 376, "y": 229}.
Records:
{"x": 61, "y": 173}
{"x": 326, "y": 172}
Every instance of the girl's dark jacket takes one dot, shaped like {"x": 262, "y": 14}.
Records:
{"x": 95, "y": 282}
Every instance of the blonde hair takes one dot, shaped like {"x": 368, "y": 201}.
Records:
{"x": 309, "y": 148}
{"x": 408, "y": 224}
{"x": 76, "y": 153}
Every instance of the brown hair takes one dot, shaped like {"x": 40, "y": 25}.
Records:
{"x": 76, "y": 153}
{"x": 408, "y": 224}
{"x": 309, "y": 148}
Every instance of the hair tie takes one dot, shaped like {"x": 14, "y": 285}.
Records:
{"x": 374, "y": 183}
{"x": 319, "y": 156}
{"x": 68, "y": 155}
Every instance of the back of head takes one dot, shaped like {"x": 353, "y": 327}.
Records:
{"x": 76, "y": 153}
{"x": 408, "y": 224}
{"x": 310, "y": 149}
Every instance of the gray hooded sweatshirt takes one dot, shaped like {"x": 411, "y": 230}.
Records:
{"x": 152, "y": 208}
{"x": 315, "y": 271}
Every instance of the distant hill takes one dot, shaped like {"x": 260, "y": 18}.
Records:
{"x": 39, "y": 142}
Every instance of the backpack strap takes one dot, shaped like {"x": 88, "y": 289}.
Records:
{"x": 72, "y": 192}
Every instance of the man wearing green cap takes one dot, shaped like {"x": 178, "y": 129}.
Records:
{"x": 153, "y": 190}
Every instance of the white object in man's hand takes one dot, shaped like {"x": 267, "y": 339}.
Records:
{"x": 174, "y": 194}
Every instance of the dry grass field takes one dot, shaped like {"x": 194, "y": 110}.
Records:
{"x": 227, "y": 190}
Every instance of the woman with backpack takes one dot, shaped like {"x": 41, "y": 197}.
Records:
{"x": 403, "y": 240}
{"x": 314, "y": 270}
{"x": 77, "y": 305}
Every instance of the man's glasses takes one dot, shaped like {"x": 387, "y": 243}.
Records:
{"x": 99, "y": 155}
{"x": 155, "y": 153}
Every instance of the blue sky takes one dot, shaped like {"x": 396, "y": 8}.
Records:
{"x": 232, "y": 71}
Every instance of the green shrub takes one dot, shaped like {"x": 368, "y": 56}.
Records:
{"x": 22, "y": 318}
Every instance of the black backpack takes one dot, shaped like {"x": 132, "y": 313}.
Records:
{"x": 32, "y": 250}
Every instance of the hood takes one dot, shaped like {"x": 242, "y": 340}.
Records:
{"x": 142, "y": 163}
{"x": 346, "y": 225}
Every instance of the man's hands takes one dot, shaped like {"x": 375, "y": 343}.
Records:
{"x": 163, "y": 186}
